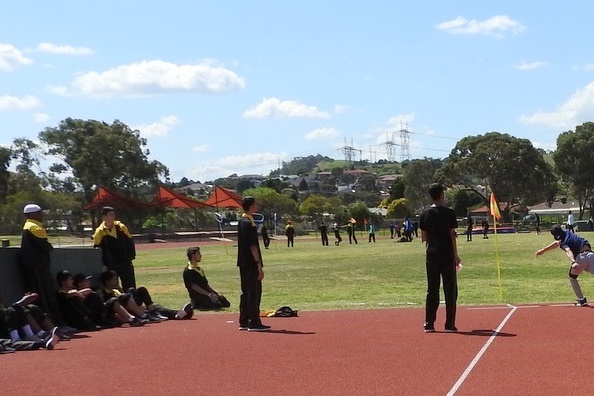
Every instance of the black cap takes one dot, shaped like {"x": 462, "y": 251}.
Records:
{"x": 63, "y": 275}
{"x": 557, "y": 232}
{"x": 80, "y": 277}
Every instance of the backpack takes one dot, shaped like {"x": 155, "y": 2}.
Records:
{"x": 284, "y": 312}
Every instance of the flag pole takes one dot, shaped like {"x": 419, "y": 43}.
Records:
{"x": 496, "y": 216}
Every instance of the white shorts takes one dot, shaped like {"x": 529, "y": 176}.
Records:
{"x": 585, "y": 262}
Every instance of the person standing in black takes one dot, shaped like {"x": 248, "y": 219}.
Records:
{"x": 438, "y": 230}
{"x": 290, "y": 233}
{"x": 249, "y": 261}
{"x": 469, "y": 227}
{"x": 117, "y": 247}
{"x": 265, "y": 236}
{"x": 35, "y": 261}
{"x": 324, "y": 234}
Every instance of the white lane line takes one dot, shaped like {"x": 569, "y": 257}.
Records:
{"x": 480, "y": 353}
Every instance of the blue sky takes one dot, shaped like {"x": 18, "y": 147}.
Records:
{"x": 222, "y": 87}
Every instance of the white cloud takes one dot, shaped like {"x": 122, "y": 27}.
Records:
{"x": 589, "y": 66}
{"x": 261, "y": 163}
{"x": 321, "y": 133}
{"x": 149, "y": 78}
{"x": 270, "y": 107}
{"x": 531, "y": 65}
{"x": 390, "y": 131}
{"x": 401, "y": 121}
{"x": 202, "y": 148}
{"x": 14, "y": 103}
{"x": 63, "y": 49}
{"x": 158, "y": 129}
{"x": 339, "y": 109}
{"x": 41, "y": 118}
{"x": 495, "y": 26}
{"x": 10, "y": 58}
{"x": 577, "y": 109}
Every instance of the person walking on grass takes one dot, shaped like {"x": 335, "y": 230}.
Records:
{"x": 251, "y": 272}
{"x": 438, "y": 230}
{"x": 579, "y": 253}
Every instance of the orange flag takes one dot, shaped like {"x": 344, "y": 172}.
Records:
{"x": 494, "y": 207}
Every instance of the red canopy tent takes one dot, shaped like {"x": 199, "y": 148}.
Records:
{"x": 172, "y": 199}
{"x": 168, "y": 198}
{"x": 223, "y": 198}
{"x": 107, "y": 197}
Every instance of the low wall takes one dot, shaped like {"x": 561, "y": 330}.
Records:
{"x": 75, "y": 260}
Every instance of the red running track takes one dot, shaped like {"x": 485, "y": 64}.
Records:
{"x": 538, "y": 350}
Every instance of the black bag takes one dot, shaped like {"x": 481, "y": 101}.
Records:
{"x": 285, "y": 312}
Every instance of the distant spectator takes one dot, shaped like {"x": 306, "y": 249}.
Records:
{"x": 290, "y": 233}
{"x": 265, "y": 236}
{"x": 371, "y": 233}
{"x": 323, "y": 234}
{"x": 570, "y": 222}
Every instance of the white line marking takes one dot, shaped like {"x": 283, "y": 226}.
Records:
{"x": 480, "y": 353}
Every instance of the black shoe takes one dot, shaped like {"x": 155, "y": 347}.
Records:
{"x": 52, "y": 339}
{"x": 186, "y": 312}
{"x": 260, "y": 327}
{"x": 451, "y": 329}
{"x": 429, "y": 328}
{"x": 6, "y": 349}
{"x": 136, "y": 322}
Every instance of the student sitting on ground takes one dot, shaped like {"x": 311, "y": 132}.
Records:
{"x": 112, "y": 312}
{"x": 139, "y": 301}
{"x": 18, "y": 330}
{"x": 202, "y": 296}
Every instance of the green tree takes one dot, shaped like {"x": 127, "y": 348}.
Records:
{"x": 397, "y": 189}
{"x": 418, "y": 175}
{"x": 269, "y": 201}
{"x": 397, "y": 209}
{"x": 573, "y": 160}
{"x": 100, "y": 154}
{"x": 244, "y": 184}
{"x": 5, "y": 157}
{"x": 359, "y": 211}
{"x": 366, "y": 182}
{"x": 513, "y": 169}
{"x": 315, "y": 205}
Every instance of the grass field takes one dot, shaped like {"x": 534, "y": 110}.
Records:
{"x": 368, "y": 275}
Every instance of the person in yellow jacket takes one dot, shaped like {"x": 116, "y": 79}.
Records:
{"x": 117, "y": 247}
{"x": 290, "y": 233}
{"x": 35, "y": 261}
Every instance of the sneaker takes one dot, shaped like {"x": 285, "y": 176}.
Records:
{"x": 452, "y": 329}
{"x": 582, "y": 302}
{"x": 34, "y": 338}
{"x": 6, "y": 349}
{"x": 151, "y": 317}
{"x": 258, "y": 328}
{"x": 185, "y": 312}
{"x": 242, "y": 328}
{"x": 68, "y": 330}
{"x": 136, "y": 322}
{"x": 52, "y": 339}
{"x": 428, "y": 328}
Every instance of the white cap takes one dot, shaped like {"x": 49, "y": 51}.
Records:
{"x": 31, "y": 208}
